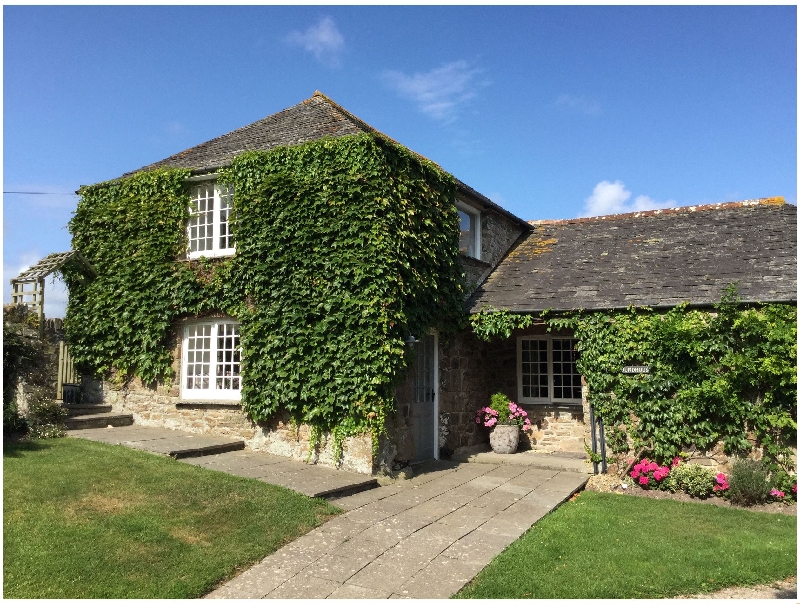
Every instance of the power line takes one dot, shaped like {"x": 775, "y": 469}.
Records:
{"x": 36, "y": 193}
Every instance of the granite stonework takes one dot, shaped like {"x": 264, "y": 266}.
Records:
{"x": 498, "y": 234}
{"x": 471, "y": 370}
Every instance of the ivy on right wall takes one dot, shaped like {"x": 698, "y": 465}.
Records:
{"x": 726, "y": 375}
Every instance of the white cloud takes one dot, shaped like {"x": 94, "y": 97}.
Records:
{"x": 439, "y": 92}
{"x": 579, "y": 104}
{"x": 612, "y": 198}
{"x": 323, "y": 40}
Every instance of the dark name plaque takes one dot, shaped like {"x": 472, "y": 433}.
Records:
{"x": 636, "y": 369}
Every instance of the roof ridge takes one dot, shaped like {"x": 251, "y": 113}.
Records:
{"x": 349, "y": 115}
{"x": 765, "y": 201}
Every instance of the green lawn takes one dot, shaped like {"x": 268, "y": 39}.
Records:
{"x": 87, "y": 520}
{"x": 603, "y": 545}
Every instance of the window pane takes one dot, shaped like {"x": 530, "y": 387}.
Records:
{"x": 565, "y": 373}
{"x": 197, "y": 358}
{"x": 228, "y": 357}
{"x": 534, "y": 374}
{"x": 468, "y": 226}
{"x": 201, "y": 218}
{"x": 225, "y": 204}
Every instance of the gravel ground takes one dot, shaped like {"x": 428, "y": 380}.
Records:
{"x": 608, "y": 483}
{"x": 778, "y": 590}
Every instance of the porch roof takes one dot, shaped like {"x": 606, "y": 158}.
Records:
{"x": 658, "y": 258}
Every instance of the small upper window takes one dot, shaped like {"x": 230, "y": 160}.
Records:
{"x": 470, "y": 242}
{"x": 209, "y": 226}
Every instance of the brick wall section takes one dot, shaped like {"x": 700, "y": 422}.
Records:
{"x": 162, "y": 406}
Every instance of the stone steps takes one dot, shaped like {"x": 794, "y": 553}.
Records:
{"x": 98, "y": 420}
{"x": 76, "y": 410}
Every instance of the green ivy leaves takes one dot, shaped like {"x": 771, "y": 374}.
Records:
{"x": 714, "y": 376}
{"x": 343, "y": 247}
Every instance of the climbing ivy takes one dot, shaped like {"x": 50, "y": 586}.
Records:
{"x": 343, "y": 247}
{"x": 492, "y": 322}
{"x": 715, "y": 375}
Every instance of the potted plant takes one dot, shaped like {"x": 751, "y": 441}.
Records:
{"x": 505, "y": 418}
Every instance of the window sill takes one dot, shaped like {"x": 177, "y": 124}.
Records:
{"x": 547, "y": 405}
{"x": 208, "y": 405}
{"x": 210, "y": 255}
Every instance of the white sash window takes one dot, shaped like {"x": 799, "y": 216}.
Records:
{"x": 212, "y": 359}
{"x": 546, "y": 371}
{"x": 209, "y": 227}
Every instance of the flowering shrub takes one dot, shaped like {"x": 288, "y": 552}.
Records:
{"x": 692, "y": 479}
{"x": 504, "y": 412}
{"x": 722, "y": 484}
{"x": 779, "y": 495}
{"x": 649, "y": 474}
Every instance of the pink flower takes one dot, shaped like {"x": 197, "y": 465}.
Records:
{"x": 676, "y": 461}
{"x": 643, "y": 480}
{"x": 652, "y": 466}
{"x": 777, "y": 493}
{"x": 635, "y": 473}
{"x": 491, "y": 422}
{"x": 794, "y": 489}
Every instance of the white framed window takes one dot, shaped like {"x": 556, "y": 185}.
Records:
{"x": 209, "y": 220}
{"x": 470, "y": 219}
{"x": 212, "y": 360}
{"x": 546, "y": 371}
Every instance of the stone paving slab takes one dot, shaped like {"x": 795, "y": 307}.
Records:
{"x": 548, "y": 461}
{"x": 311, "y": 480}
{"x": 425, "y": 537}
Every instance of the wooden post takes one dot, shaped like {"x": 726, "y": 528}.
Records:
{"x": 40, "y": 299}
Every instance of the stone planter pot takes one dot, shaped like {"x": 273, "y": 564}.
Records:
{"x": 504, "y": 439}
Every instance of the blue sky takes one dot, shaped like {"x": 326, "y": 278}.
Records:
{"x": 552, "y": 112}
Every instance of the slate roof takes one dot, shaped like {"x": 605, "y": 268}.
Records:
{"x": 312, "y": 119}
{"x": 657, "y": 258}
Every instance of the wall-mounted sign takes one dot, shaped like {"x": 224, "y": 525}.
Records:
{"x": 636, "y": 369}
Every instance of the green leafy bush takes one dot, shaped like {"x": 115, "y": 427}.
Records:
{"x": 749, "y": 483}
{"x": 693, "y": 479}
{"x": 26, "y": 361}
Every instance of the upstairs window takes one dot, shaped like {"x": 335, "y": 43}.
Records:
{"x": 209, "y": 227}
{"x": 546, "y": 371}
{"x": 470, "y": 242}
{"x": 212, "y": 361}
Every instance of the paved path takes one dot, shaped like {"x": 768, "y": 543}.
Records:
{"x": 425, "y": 537}
{"x": 421, "y": 538}
{"x": 197, "y": 449}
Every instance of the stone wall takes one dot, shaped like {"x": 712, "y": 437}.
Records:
{"x": 463, "y": 387}
{"x": 471, "y": 370}
{"x": 160, "y": 405}
{"x": 498, "y": 234}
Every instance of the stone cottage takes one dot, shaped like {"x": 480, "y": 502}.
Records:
{"x": 656, "y": 258}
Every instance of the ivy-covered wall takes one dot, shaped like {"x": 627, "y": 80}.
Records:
{"x": 722, "y": 375}
{"x": 343, "y": 247}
